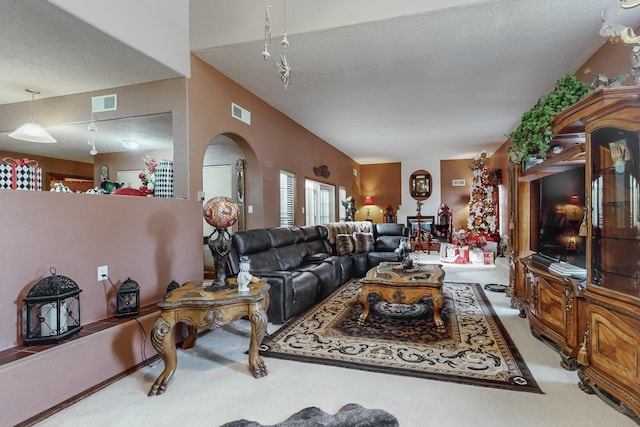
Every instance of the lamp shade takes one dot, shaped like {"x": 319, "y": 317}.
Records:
{"x": 368, "y": 201}
{"x": 32, "y": 132}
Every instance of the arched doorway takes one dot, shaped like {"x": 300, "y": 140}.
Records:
{"x": 229, "y": 168}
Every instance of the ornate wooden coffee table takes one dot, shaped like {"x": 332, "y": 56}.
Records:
{"x": 198, "y": 307}
{"x": 398, "y": 286}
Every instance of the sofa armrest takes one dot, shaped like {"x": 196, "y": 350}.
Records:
{"x": 281, "y": 294}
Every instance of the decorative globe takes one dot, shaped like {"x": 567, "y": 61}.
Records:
{"x": 221, "y": 212}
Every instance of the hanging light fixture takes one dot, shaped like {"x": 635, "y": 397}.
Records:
{"x": 267, "y": 32}
{"x": 284, "y": 70}
{"x": 92, "y": 127}
{"x": 32, "y": 131}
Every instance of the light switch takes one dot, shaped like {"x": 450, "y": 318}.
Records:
{"x": 250, "y": 209}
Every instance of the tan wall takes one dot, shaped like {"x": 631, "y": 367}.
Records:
{"x": 272, "y": 142}
{"x": 611, "y": 60}
{"x": 382, "y": 182}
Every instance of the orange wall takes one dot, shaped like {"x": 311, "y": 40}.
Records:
{"x": 382, "y": 183}
{"x": 457, "y": 198}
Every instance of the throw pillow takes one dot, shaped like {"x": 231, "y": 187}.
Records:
{"x": 363, "y": 242}
{"x": 344, "y": 244}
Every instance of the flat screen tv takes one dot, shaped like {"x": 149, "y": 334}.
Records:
{"x": 561, "y": 227}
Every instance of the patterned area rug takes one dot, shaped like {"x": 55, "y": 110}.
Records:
{"x": 473, "y": 347}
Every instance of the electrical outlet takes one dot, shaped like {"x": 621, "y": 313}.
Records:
{"x": 103, "y": 272}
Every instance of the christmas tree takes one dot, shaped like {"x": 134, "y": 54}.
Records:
{"x": 482, "y": 203}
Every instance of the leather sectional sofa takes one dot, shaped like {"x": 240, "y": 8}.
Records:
{"x": 304, "y": 265}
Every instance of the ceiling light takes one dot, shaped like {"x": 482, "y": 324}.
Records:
{"x": 93, "y": 150}
{"x": 267, "y": 32}
{"x": 284, "y": 69}
{"x": 32, "y": 131}
{"x": 130, "y": 144}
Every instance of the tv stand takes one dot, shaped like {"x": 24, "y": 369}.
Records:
{"x": 555, "y": 309}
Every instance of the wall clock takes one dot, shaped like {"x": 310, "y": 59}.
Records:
{"x": 420, "y": 184}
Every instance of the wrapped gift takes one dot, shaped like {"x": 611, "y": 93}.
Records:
{"x": 164, "y": 179}
{"x": 488, "y": 258}
{"x": 20, "y": 174}
{"x": 476, "y": 256}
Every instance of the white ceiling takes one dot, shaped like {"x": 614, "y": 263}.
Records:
{"x": 379, "y": 80}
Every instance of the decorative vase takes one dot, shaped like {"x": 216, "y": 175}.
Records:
{"x": 244, "y": 276}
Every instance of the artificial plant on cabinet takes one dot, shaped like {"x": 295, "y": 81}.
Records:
{"x": 533, "y": 134}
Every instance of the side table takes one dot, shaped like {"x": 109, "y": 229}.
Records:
{"x": 197, "y": 307}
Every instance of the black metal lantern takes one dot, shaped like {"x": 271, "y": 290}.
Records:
{"x": 128, "y": 298}
{"x": 52, "y": 310}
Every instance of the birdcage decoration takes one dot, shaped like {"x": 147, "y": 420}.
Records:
{"x": 52, "y": 310}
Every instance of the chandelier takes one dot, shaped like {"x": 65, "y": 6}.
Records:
{"x": 284, "y": 70}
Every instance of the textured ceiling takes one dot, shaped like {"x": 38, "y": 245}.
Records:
{"x": 449, "y": 81}
{"x": 381, "y": 81}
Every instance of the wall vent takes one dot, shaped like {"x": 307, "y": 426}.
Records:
{"x": 240, "y": 113}
{"x": 458, "y": 182}
{"x": 103, "y": 103}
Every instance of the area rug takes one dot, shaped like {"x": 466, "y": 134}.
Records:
{"x": 473, "y": 348}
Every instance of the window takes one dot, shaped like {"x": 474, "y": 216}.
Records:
{"x": 342, "y": 196}
{"x": 287, "y": 198}
{"x": 319, "y": 202}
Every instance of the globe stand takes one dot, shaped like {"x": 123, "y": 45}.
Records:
{"x": 219, "y": 247}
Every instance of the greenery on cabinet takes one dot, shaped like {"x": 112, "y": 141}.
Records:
{"x": 534, "y": 132}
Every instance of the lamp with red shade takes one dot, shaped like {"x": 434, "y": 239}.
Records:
{"x": 368, "y": 201}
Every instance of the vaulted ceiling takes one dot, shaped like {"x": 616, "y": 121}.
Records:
{"x": 379, "y": 80}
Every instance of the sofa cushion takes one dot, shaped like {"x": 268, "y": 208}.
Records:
{"x": 363, "y": 242}
{"x": 316, "y": 257}
{"x": 291, "y": 256}
{"x": 349, "y": 227}
{"x": 283, "y": 236}
{"x": 386, "y": 229}
{"x": 388, "y": 243}
{"x": 250, "y": 241}
{"x": 344, "y": 244}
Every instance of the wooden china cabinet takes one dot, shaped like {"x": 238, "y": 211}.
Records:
{"x": 594, "y": 323}
{"x": 612, "y": 336}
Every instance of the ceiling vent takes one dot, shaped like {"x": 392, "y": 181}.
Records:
{"x": 103, "y": 103}
{"x": 458, "y": 182}
{"x": 240, "y": 113}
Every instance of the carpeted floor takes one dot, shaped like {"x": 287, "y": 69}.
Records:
{"x": 473, "y": 348}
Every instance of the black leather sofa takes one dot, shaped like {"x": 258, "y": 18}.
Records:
{"x": 303, "y": 266}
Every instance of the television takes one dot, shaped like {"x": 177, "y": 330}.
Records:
{"x": 561, "y": 228}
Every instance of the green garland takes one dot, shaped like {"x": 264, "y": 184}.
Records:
{"x": 534, "y": 132}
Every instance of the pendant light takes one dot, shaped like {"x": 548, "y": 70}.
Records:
{"x": 32, "y": 131}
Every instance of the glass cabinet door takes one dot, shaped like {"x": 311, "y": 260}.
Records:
{"x": 615, "y": 210}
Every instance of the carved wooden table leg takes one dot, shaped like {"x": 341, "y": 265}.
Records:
{"x": 190, "y": 340}
{"x": 163, "y": 341}
{"x": 258, "y": 318}
{"x": 363, "y": 298}
{"x": 438, "y": 305}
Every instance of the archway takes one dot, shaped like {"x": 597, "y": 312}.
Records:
{"x": 230, "y": 168}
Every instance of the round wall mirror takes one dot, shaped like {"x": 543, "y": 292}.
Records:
{"x": 420, "y": 185}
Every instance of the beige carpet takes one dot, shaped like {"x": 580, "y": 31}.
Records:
{"x": 212, "y": 385}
